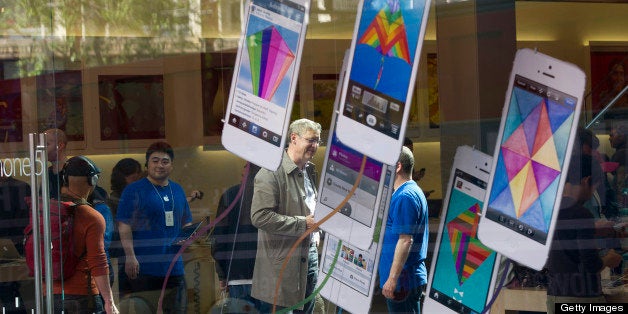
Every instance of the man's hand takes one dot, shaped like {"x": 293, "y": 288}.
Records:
{"x": 196, "y": 194}
{"x": 111, "y": 308}
{"x": 132, "y": 267}
{"x": 389, "y": 288}
{"x": 309, "y": 221}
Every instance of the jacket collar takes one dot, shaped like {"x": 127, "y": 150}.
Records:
{"x": 289, "y": 166}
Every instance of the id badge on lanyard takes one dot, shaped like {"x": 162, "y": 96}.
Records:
{"x": 169, "y": 218}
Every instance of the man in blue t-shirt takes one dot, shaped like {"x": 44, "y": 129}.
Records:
{"x": 402, "y": 271}
{"x": 151, "y": 213}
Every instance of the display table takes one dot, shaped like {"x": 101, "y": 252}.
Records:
{"x": 532, "y": 299}
{"x": 201, "y": 278}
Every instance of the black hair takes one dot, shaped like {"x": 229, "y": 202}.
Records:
{"x": 99, "y": 195}
{"x": 161, "y": 147}
{"x": 582, "y": 166}
{"x": 123, "y": 168}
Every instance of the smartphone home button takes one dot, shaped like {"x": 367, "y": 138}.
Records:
{"x": 530, "y": 232}
{"x": 371, "y": 120}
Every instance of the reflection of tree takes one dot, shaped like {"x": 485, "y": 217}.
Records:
{"x": 98, "y": 32}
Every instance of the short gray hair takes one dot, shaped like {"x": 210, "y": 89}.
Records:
{"x": 406, "y": 159}
{"x": 301, "y": 126}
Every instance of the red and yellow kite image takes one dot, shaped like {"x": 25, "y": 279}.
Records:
{"x": 387, "y": 34}
{"x": 468, "y": 252}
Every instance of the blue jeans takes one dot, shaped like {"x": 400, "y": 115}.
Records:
{"x": 243, "y": 292}
{"x": 410, "y": 304}
{"x": 312, "y": 278}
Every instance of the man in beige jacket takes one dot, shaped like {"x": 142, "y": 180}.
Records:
{"x": 283, "y": 209}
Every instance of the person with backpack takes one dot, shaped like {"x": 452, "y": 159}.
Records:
{"x": 79, "y": 293}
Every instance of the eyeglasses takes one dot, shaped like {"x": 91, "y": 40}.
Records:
{"x": 312, "y": 141}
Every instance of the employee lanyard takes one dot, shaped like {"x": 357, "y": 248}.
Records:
{"x": 169, "y": 215}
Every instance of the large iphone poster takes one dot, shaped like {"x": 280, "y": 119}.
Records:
{"x": 377, "y": 95}
{"x": 264, "y": 82}
{"x": 261, "y": 96}
{"x": 464, "y": 266}
{"x": 352, "y": 281}
{"x": 533, "y": 151}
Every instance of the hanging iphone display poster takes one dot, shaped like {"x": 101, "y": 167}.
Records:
{"x": 534, "y": 144}
{"x": 352, "y": 280}
{"x": 463, "y": 270}
{"x": 264, "y": 82}
{"x": 384, "y": 58}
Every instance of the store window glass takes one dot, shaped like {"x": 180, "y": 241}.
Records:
{"x": 141, "y": 89}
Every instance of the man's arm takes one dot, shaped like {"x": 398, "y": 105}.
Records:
{"x": 265, "y": 211}
{"x": 102, "y": 283}
{"x": 131, "y": 265}
{"x": 402, "y": 250}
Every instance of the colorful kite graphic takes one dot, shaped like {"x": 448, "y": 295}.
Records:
{"x": 387, "y": 34}
{"x": 468, "y": 252}
{"x": 270, "y": 59}
{"x": 532, "y": 152}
